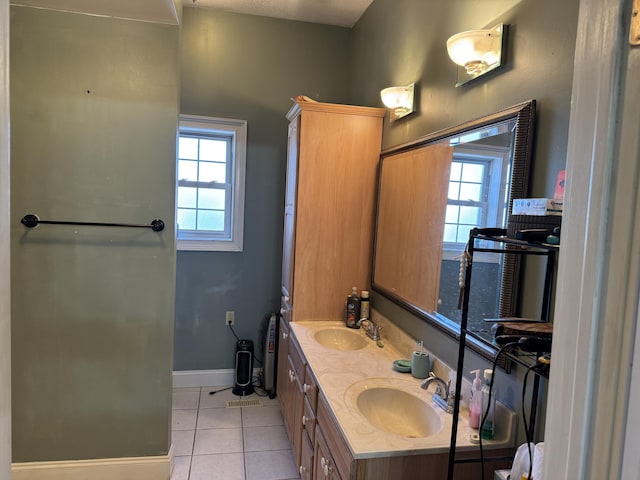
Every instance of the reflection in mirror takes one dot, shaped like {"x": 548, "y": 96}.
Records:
{"x": 432, "y": 192}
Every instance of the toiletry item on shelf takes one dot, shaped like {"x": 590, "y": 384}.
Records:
{"x": 364, "y": 304}
{"x": 352, "y": 309}
{"x": 420, "y": 364}
{"x": 488, "y": 403}
{"x": 475, "y": 401}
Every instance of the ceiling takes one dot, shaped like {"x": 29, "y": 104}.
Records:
{"x": 344, "y": 13}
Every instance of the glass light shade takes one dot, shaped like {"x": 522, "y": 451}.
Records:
{"x": 399, "y": 100}
{"x": 475, "y": 50}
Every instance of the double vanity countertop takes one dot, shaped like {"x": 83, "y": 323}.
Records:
{"x": 344, "y": 374}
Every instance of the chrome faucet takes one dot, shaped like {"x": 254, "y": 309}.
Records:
{"x": 441, "y": 397}
{"x": 371, "y": 328}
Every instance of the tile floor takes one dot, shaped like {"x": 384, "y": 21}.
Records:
{"x": 214, "y": 442}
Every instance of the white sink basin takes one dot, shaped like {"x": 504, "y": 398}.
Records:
{"x": 340, "y": 338}
{"x": 399, "y": 412}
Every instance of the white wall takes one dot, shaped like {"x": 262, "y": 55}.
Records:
{"x": 5, "y": 337}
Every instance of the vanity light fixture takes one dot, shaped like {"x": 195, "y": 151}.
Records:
{"x": 399, "y": 100}
{"x": 477, "y": 51}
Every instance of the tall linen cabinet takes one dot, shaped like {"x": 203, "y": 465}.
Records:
{"x": 333, "y": 153}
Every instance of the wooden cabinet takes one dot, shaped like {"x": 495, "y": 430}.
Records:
{"x": 324, "y": 467}
{"x": 282, "y": 377}
{"x": 332, "y": 163}
{"x": 307, "y": 459}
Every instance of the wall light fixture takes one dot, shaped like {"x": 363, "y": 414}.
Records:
{"x": 399, "y": 100}
{"x": 477, "y": 52}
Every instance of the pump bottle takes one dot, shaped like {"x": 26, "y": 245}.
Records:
{"x": 475, "y": 401}
{"x": 352, "y": 309}
{"x": 487, "y": 430}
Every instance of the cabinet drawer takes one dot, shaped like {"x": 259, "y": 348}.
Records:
{"x": 310, "y": 388}
{"x": 297, "y": 359}
{"x": 309, "y": 420}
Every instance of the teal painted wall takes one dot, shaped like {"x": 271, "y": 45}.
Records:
{"x": 399, "y": 42}
{"x": 94, "y": 105}
{"x": 247, "y": 67}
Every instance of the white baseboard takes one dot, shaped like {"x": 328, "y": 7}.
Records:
{"x": 130, "y": 468}
{"x": 206, "y": 378}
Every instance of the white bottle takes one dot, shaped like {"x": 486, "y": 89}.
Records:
{"x": 364, "y": 304}
{"x": 475, "y": 401}
{"x": 487, "y": 430}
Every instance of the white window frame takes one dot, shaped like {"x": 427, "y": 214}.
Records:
{"x": 497, "y": 159}
{"x": 233, "y": 241}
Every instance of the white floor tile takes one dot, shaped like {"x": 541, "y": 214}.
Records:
{"x": 219, "y": 418}
{"x": 272, "y": 465}
{"x": 181, "y": 468}
{"x": 185, "y": 398}
{"x": 265, "y": 438}
{"x": 183, "y": 419}
{"x": 182, "y": 441}
{"x": 218, "y": 440}
{"x": 227, "y": 466}
{"x": 262, "y": 416}
{"x": 217, "y": 400}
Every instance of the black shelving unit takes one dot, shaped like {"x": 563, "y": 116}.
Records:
{"x": 505, "y": 246}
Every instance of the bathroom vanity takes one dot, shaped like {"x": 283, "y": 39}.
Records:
{"x": 350, "y": 416}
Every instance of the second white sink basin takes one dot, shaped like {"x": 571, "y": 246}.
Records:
{"x": 340, "y": 338}
{"x": 398, "y": 412}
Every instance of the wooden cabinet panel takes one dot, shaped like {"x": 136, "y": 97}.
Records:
{"x": 282, "y": 377}
{"x": 336, "y": 445}
{"x": 306, "y": 459}
{"x": 309, "y": 420}
{"x": 324, "y": 467}
{"x": 329, "y": 226}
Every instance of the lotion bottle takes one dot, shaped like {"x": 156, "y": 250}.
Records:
{"x": 364, "y": 304}
{"x": 487, "y": 430}
{"x": 475, "y": 401}
{"x": 352, "y": 309}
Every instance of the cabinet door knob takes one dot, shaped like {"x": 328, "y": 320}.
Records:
{"x": 286, "y": 298}
{"x": 282, "y": 311}
{"x": 323, "y": 462}
{"x": 284, "y": 335}
{"x": 304, "y": 420}
{"x": 305, "y": 388}
{"x": 292, "y": 376}
{"x": 302, "y": 469}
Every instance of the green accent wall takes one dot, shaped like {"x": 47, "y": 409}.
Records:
{"x": 399, "y": 42}
{"x": 94, "y": 105}
{"x": 247, "y": 67}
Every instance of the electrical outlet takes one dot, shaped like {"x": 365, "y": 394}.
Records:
{"x": 230, "y": 318}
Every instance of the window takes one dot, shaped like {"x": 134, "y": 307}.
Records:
{"x": 210, "y": 183}
{"x": 478, "y": 189}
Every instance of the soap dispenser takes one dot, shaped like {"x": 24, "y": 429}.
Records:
{"x": 352, "y": 309}
{"x": 488, "y": 403}
{"x": 475, "y": 401}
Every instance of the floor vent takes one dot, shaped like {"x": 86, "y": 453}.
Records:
{"x": 244, "y": 403}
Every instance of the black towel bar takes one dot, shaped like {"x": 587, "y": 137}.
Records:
{"x": 31, "y": 221}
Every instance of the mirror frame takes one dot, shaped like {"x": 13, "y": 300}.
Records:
{"x": 524, "y": 116}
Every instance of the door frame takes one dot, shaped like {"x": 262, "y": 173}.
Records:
{"x": 599, "y": 267}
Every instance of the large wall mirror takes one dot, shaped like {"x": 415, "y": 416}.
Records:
{"x": 432, "y": 192}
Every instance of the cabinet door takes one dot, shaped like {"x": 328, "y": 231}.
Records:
{"x": 323, "y": 466}
{"x": 289, "y": 212}
{"x": 306, "y": 459}
{"x": 297, "y": 407}
{"x": 282, "y": 379}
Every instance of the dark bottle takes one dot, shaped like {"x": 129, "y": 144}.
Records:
{"x": 352, "y": 309}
